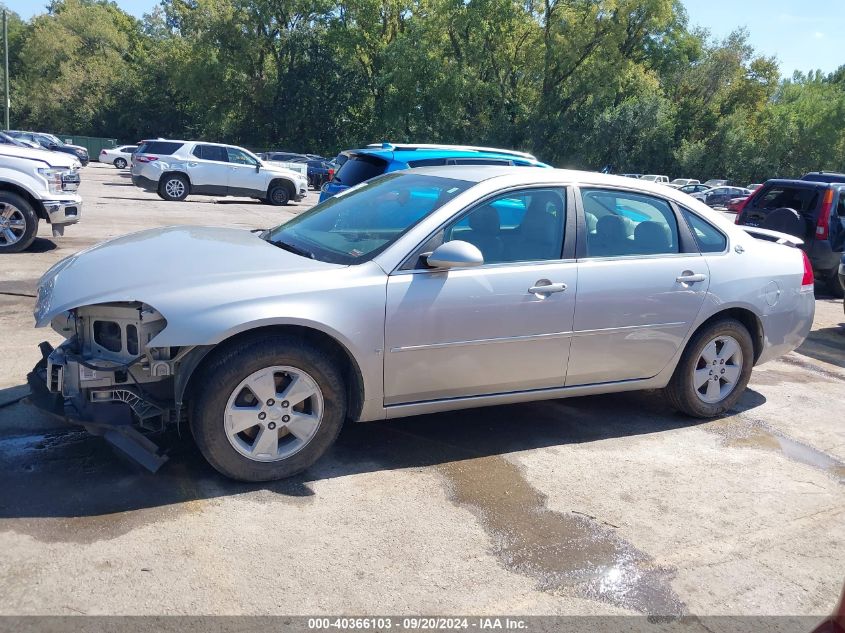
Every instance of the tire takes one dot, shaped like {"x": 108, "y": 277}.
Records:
{"x": 225, "y": 398}
{"x": 120, "y": 163}
{"x": 681, "y": 390}
{"x": 834, "y": 285}
{"x": 173, "y": 187}
{"x": 18, "y": 223}
{"x": 278, "y": 195}
{"x": 787, "y": 221}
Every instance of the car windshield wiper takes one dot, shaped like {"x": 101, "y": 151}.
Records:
{"x": 296, "y": 250}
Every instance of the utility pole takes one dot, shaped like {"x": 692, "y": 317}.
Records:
{"x": 6, "y": 74}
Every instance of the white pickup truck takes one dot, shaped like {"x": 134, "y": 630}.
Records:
{"x": 36, "y": 184}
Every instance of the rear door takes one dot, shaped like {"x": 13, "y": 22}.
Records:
{"x": 641, "y": 284}
{"x": 209, "y": 170}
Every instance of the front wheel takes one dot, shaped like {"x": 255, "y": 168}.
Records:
{"x": 268, "y": 408}
{"x": 18, "y": 223}
{"x": 278, "y": 195}
{"x": 173, "y": 187}
{"x": 120, "y": 163}
{"x": 713, "y": 371}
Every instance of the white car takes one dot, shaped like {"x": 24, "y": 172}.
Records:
{"x": 655, "y": 178}
{"x": 683, "y": 182}
{"x": 118, "y": 156}
{"x": 175, "y": 169}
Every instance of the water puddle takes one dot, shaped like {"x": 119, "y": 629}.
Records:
{"x": 753, "y": 434}
{"x": 559, "y": 550}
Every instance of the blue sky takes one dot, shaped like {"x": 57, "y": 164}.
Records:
{"x": 802, "y": 34}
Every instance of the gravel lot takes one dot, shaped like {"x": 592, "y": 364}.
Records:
{"x": 597, "y": 505}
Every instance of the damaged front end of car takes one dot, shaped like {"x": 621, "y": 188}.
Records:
{"x": 107, "y": 378}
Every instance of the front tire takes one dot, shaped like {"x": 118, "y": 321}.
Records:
{"x": 120, "y": 163}
{"x": 713, "y": 371}
{"x": 278, "y": 195}
{"x": 173, "y": 187}
{"x": 267, "y": 408}
{"x": 18, "y": 223}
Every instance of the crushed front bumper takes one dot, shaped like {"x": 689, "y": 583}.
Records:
{"x": 46, "y": 384}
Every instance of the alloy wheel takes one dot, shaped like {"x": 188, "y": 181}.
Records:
{"x": 718, "y": 369}
{"x": 12, "y": 224}
{"x": 273, "y": 413}
{"x": 174, "y": 188}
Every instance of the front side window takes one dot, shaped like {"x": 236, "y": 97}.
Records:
{"x": 239, "y": 157}
{"x": 624, "y": 223}
{"x": 356, "y": 225}
{"x": 707, "y": 236}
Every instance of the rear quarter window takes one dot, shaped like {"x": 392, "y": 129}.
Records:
{"x": 802, "y": 199}
{"x": 708, "y": 237}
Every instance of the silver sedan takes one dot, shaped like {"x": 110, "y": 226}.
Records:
{"x": 419, "y": 291}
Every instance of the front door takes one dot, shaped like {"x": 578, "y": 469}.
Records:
{"x": 244, "y": 178}
{"x": 641, "y": 284}
{"x": 488, "y": 329}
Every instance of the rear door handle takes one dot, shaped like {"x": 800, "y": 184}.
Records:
{"x": 690, "y": 278}
{"x": 545, "y": 287}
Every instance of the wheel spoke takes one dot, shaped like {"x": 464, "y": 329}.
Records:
{"x": 264, "y": 386}
{"x": 731, "y": 374}
{"x": 302, "y": 425}
{"x": 10, "y": 237}
{"x": 242, "y": 418}
{"x": 729, "y": 348}
{"x": 8, "y": 211}
{"x": 709, "y": 352}
{"x": 700, "y": 377}
{"x": 298, "y": 390}
{"x": 17, "y": 224}
{"x": 267, "y": 442}
{"x": 713, "y": 390}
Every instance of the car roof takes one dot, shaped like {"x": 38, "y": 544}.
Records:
{"x": 404, "y": 155}
{"x": 796, "y": 182}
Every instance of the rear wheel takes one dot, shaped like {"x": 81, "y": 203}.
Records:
{"x": 713, "y": 371}
{"x": 18, "y": 223}
{"x": 173, "y": 187}
{"x": 120, "y": 163}
{"x": 268, "y": 408}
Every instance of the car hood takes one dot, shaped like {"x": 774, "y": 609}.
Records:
{"x": 51, "y": 159}
{"x": 274, "y": 167}
{"x": 167, "y": 267}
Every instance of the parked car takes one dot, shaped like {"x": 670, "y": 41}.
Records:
{"x": 419, "y": 291}
{"x": 690, "y": 189}
{"x": 824, "y": 176}
{"x": 720, "y": 196}
{"x": 118, "y": 156}
{"x": 35, "y": 185}
{"x": 754, "y": 186}
{"x": 715, "y": 182}
{"x": 359, "y": 165}
{"x": 637, "y": 176}
{"x": 812, "y": 211}
{"x": 683, "y": 182}
{"x": 319, "y": 172}
{"x": 10, "y": 140}
{"x": 655, "y": 178}
{"x": 52, "y": 143}
{"x": 284, "y": 157}
{"x": 842, "y": 275}
{"x": 175, "y": 169}
{"x": 735, "y": 204}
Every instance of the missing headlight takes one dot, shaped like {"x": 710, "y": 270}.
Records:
{"x": 108, "y": 336}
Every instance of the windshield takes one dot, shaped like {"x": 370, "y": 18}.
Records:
{"x": 53, "y": 139}
{"x": 356, "y": 225}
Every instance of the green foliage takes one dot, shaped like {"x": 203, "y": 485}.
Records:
{"x": 581, "y": 83}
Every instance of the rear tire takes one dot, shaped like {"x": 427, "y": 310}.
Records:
{"x": 18, "y": 223}
{"x": 225, "y": 397}
{"x": 709, "y": 379}
{"x": 834, "y": 285}
{"x": 120, "y": 163}
{"x": 173, "y": 187}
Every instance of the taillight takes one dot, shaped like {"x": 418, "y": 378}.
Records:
{"x": 102, "y": 151}
{"x": 807, "y": 279}
{"x": 822, "y": 226}
{"x": 741, "y": 206}
{"x": 331, "y": 174}
{"x": 147, "y": 159}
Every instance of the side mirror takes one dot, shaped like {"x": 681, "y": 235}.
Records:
{"x": 52, "y": 146}
{"x": 455, "y": 254}
{"x": 257, "y": 167}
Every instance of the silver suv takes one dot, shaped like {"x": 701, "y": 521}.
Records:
{"x": 174, "y": 169}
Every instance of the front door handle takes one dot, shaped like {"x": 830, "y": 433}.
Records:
{"x": 688, "y": 277}
{"x": 546, "y": 287}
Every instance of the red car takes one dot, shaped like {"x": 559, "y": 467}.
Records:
{"x": 735, "y": 204}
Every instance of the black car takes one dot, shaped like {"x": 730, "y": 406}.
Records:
{"x": 284, "y": 157}
{"x": 52, "y": 143}
{"x": 721, "y": 196}
{"x": 811, "y": 210}
{"x": 5, "y": 139}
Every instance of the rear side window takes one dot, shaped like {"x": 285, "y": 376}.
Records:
{"x": 165, "y": 148}
{"x": 777, "y": 196}
{"x": 707, "y": 236}
{"x": 211, "y": 152}
{"x": 427, "y": 162}
{"x": 359, "y": 168}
